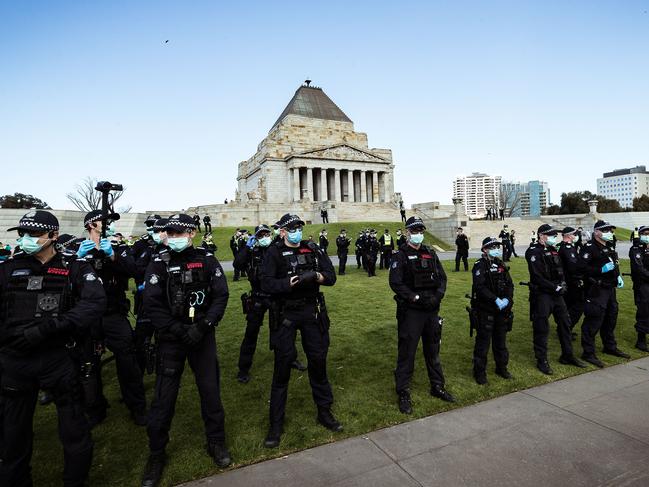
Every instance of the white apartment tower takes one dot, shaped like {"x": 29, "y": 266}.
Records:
{"x": 478, "y": 191}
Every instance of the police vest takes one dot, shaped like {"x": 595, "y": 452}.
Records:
{"x": 424, "y": 269}
{"x": 497, "y": 277}
{"x": 254, "y": 268}
{"x": 33, "y": 297}
{"x": 300, "y": 260}
{"x": 188, "y": 288}
{"x": 553, "y": 265}
{"x": 387, "y": 239}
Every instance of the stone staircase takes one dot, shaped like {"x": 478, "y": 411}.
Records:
{"x": 477, "y": 230}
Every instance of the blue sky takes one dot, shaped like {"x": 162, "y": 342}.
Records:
{"x": 554, "y": 90}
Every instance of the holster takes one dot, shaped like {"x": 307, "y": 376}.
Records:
{"x": 275, "y": 315}
{"x": 473, "y": 320}
{"x": 246, "y": 303}
{"x": 150, "y": 353}
{"x": 322, "y": 316}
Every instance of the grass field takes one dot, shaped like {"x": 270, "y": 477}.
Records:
{"x": 361, "y": 363}
{"x": 221, "y": 236}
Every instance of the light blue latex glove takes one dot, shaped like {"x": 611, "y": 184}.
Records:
{"x": 251, "y": 242}
{"x": 140, "y": 288}
{"x": 501, "y": 304}
{"x": 608, "y": 267}
{"x": 620, "y": 282}
{"x": 85, "y": 247}
{"x": 505, "y": 301}
{"x": 105, "y": 245}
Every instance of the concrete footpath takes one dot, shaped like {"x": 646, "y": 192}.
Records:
{"x": 589, "y": 430}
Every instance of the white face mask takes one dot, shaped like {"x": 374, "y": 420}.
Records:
{"x": 607, "y": 236}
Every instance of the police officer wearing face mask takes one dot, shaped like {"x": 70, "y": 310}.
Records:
{"x": 386, "y": 242}
{"x": 602, "y": 278}
{"x": 372, "y": 248}
{"x": 46, "y": 302}
{"x": 342, "y": 246}
{"x": 639, "y": 257}
{"x": 492, "y": 300}
{"x": 185, "y": 295}
{"x": 323, "y": 240}
{"x": 547, "y": 288}
{"x": 401, "y": 239}
{"x": 292, "y": 272}
{"x": 574, "y": 296}
{"x": 359, "y": 245}
{"x": 255, "y": 303}
{"x": 115, "y": 265}
{"x": 462, "y": 252}
{"x": 419, "y": 283}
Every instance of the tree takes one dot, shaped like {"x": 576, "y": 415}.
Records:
{"x": 641, "y": 203}
{"x": 86, "y": 198}
{"x": 20, "y": 200}
{"x": 552, "y": 210}
{"x": 510, "y": 198}
{"x": 606, "y": 205}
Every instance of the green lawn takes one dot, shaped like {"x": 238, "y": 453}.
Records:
{"x": 361, "y": 363}
{"x": 221, "y": 235}
{"x": 623, "y": 234}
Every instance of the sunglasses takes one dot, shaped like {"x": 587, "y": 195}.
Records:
{"x": 31, "y": 233}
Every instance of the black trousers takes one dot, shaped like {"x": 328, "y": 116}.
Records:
{"x": 205, "y": 366}
{"x": 600, "y": 316}
{"x": 315, "y": 342}
{"x": 574, "y": 299}
{"x": 22, "y": 377}
{"x": 371, "y": 264}
{"x": 542, "y": 306}
{"x": 414, "y": 325}
{"x": 641, "y": 296}
{"x": 342, "y": 262}
{"x": 507, "y": 251}
{"x": 208, "y": 227}
{"x": 359, "y": 259}
{"x": 462, "y": 255}
{"x": 386, "y": 257}
{"x": 119, "y": 339}
{"x": 492, "y": 328}
{"x": 254, "y": 321}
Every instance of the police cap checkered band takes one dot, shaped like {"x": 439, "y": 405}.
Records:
{"x": 261, "y": 228}
{"x": 414, "y": 222}
{"x": 490, "y": 241}
{"x": 180, "y": 222}
{"x": 568, "y": 231}
{"x": 546, "y": 229}
{"x": 151, "y": 219}
{"x": 603, "y": 225}
{"x": 643, "y": 228}
{"x": 289, "y": 221}
{"x": 36, "y": 220}
{"x": 159, "y": 224}
{"x": 95, "y": 215}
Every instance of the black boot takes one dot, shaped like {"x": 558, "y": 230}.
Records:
{"x": 571, "y": 360}
{"x": 641, "y": 344}
{"x": 405, "y": 403}
{"x": 328, "y": 420}
{"x": 45, "y": 398}
{"x": 441, "y": 393}
{"x": 616, "y": 352}
{"x": 139, "y": 417}
{"x": 243, "y": 377}
{"x": 219, "y": 452}
{"x": 153, "y": 470}
{"x": 297, "y": 365}
{"x": 503, "y": 372}
{"x": 480, "y": 377}
{"x": 274, "y": 435}
{"x": 592, "y": 359}
{"x": 544, "y": 367}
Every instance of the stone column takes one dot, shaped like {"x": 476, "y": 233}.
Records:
{"x": 363, "y": 187}
{"x": 337, "y": 195}
{"x": 592, "y": 207}
{"x": 297, "y": 196}
{"x": 375, "y": 186}
{"x": 387, "y": 184}
{"x": 324, "y": 194}
{"x": 309, "y": 184}
{"x": 350, "y": 186}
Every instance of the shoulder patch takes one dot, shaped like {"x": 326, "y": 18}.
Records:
{"x": 90, "y": 277}
{"x": 395, "y": 264}
{"x": 218, "y": 272}
{"x": 477, "y": 272}
{"x": 154, "y": 279}
{"x": 586, "y": 255}
{"x": 533, "y": 258}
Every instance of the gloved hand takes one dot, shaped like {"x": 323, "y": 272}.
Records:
{"x": 251, "y": 242}
{"x": 430, "y": 302}
{"x": 105, "y": 245}
{"x": 608, "y": 267}
{"x": 177, "y": 330}
{"x": 620, "y": 282}
{"x": 502, "y": 303}
{"x": 140, "y": 288}
{"x": 85, "y": 247}
{"x": 36, "y": 334}
{"x": 560, "y": 290}
{"x": 195, "y": 333}
{"x": 308, "y": 277}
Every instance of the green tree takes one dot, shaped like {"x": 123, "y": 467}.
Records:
{"x": 641, "y": 203}
{"x": 20, "y": 200}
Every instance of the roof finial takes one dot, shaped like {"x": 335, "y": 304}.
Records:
{"x": 307, "y": 82}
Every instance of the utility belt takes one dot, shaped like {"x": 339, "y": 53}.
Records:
{"x": 279, "y": 307}
{"x": 254, "y": 300}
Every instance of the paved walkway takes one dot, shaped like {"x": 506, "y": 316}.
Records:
{"x": 589, "y": 430}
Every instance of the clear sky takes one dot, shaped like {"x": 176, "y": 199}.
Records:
{"x": 552, "y": 90}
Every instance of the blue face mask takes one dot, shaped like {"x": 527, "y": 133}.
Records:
{"x": 30, "y": 244}
{"x": 644, "y": 239}
{"x": 157, "y": 238}
{"x": 495, "y": 253}
{"x": 607, "y": 236}
{"x": 295, "y": 237}
{"x": 110, "y": 230}
{"x": 149, "y": 231}
{"x": 264, "y": 241}
{"x": 552, "y": 241}
{"x": 178, "y": 244}
{"x": 417, "y": 238}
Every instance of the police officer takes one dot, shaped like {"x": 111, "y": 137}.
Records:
{"x": 506, "y": 243}
{"x": 207, "y": 223}
{"x": 419, "y": 283}
{"x": 323, "y": 240}
{"x": 115, "y": 265}
{"x": 386, "y": 242}
{"x": 197, "y": 222}
{"x": 45, "y": 301}
{"x": 372, "y": 248}
{"x": 462, "y": 252}
{"x": 342, "y": 248}
{"x": 401, "y": 239}
{"x": 602, "y": 277}
{"x": 208, "y": 244}
{"x": 185, "y": 295}
{"x": 292, "y": 272}
{"x": 358, "y": 249}
{"x": 574, "y": 296}
{"x": 639, "y": 257}
{"x": 547, "y": 288}
{"x": 492, "y": 300}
